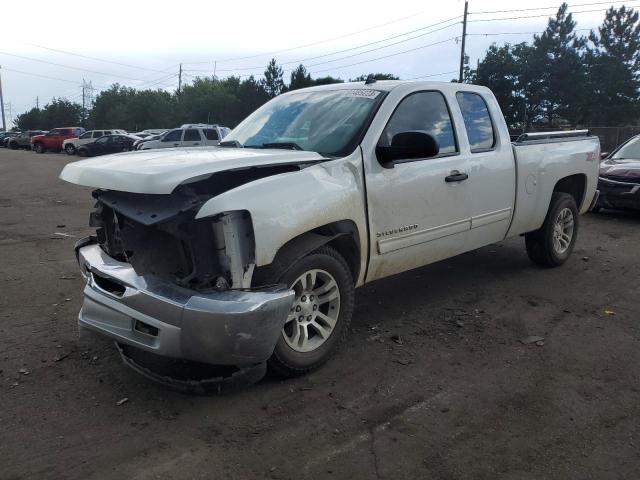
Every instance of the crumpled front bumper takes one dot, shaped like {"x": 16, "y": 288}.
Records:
{"x": 234, "y": 327}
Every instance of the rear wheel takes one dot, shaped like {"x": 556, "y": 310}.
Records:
{"x": 70, "y": 149}
{"x": 553, "y": 243}
{"x": 39, "y": 148}
{"x": 321, "y": 313}
{"x": 14, "y": 145}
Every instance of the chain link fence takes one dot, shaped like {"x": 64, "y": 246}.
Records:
{"x": 612, "y": 137}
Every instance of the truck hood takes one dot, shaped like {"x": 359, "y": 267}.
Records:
{"x": 161, "y": 171}
{"x": 621, "y": 168}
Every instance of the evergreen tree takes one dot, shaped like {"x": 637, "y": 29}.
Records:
{"x": 300, "y": 78}
{"x": 273, "y": 82}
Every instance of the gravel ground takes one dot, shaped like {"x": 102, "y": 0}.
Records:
{"x": 433, "y": 381}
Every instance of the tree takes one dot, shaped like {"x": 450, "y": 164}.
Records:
{"x": 619, "y": 36}
{"x": 58, "y": 113}
{"x": 557, "y": 61}
{"x": 31, "y": 120}
{"x": 612, "y": 70}
{"x": 300, "y": 78}
{"x": 327, "y": 80}
{"x": 376, "y": 76}
{"x": 272, "y": 82}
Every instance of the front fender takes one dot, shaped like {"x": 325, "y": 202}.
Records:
{"x": 287, "y": 205}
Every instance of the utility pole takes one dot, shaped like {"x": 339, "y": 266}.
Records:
{"x": 83, "y": 110}
{"x": 180, "y": 79}
{"x": 4, "y": 124}
{"x": 464, "y": 39}
{"x": 37, "y": 103}
{"x": 215, "y": 67}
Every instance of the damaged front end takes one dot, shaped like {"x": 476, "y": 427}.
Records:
{"x": 162, "y": 281}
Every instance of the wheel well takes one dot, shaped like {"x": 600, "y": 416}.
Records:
{"x": 574, "y": 185}
{"x": 342, "y": 236}
{"x": 346, "y": 241}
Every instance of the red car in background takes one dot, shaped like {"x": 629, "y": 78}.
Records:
{"x": 54, "y": 138}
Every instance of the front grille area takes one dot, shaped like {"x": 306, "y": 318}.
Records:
{"x": 157, "y": 236}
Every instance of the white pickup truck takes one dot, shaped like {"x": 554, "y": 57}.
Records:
{"x": 249, "y": 252}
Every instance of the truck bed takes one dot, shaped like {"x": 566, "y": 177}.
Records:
{"x": 541, "y": 160}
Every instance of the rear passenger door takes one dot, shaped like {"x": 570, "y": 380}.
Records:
{"x": 491, "y": 168}
{"x": 192, "y": 138}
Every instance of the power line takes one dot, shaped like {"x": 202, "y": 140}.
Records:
{"x": 94, "y": 58}
{"x": 495, "y": 34}
{"x": 319, "y": 42}
{"x": 69, "y": 66}
{"x": 350, "y": 49}
{"x": 433, "y": 75}
{"x": 39, "y": 75}
{"x": 555, "y": 7}
{"x": 387, "y": 56}
{"x": 532, "y": 16}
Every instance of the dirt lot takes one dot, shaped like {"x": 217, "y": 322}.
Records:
{"x": 432, "y": 382}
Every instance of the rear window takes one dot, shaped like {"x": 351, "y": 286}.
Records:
{"x": 64, "y": 131}
{"x": 211, "y": 134}
{"x": 477, "y": 121}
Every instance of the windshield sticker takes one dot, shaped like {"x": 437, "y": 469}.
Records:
{"x": 361, "y": 93}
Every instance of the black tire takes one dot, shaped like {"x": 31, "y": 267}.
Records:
{"x": 70, "y": 149}
{"x": 14, "y": 145}
{"x": 540, "y": 244}
{"x": 39, "y": 148}
{"x": 287, "y": 362}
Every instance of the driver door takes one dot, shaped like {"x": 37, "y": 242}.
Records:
{"x": 419, "y": 209}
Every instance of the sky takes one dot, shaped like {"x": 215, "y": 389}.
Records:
{"x": 51, "y": 53}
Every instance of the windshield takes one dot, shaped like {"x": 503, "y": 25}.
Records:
{"x": 631, "y": 150}
{"x": 328, "y": 122}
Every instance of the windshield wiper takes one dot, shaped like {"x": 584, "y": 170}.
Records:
{"x": 230, "y": 143}
{"x": 288, "y": 145}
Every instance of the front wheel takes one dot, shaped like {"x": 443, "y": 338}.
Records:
{"x": 70, "y": 149}
{"x": 14, "y": 146}
{"x": 39, "y": 148}
{"x": 552, "y": 244}
{"x": 321, "y": 313}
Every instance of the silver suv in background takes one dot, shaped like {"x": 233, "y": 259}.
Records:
{"x": 188, "y": 135}
{"x": 23, "y": 139}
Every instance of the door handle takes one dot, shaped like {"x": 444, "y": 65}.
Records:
{"x": 176, "y": 144}
{"x": 456, "y": 176}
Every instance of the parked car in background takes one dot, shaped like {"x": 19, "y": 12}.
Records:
{"x": 5, "y": 136}
{"x": 190, "y": 135}
{"x": 155, "y": 131}
{"x": 146, "y": 138}
{"x": 23, "y": 140}
{"x": 619, "y": 179}
{"x": 54, "y": 139}
{"x": 107, "y": 144}
{"x": 70, "y": 145}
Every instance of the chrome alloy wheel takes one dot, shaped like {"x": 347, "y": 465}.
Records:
{"x": 315, "y": 311}
{"x": 563, "y": 231}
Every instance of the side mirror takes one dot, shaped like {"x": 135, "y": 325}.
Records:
{"x": 603, "y": 155}
{"x": 407, "y": 146}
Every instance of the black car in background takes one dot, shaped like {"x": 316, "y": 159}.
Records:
{"x": 108, "y": 144}
{"x": 619, "y": 179}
